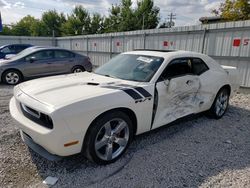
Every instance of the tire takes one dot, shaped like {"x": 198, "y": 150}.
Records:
{"x": 220, "y": 104}
{"x": 77, "y": 69}
{"x": 12, "y": 77}
{"x": 108, "y": 138}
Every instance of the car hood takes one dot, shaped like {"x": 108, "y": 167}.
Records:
{"x": 62, "y": 90}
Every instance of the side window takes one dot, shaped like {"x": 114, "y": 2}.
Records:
{"x": 177, "y": 67}
{"x": 8, "y": 49}
{"x": 199, "y": 66}
{"x": 63, "y": 54}
{"x": 42, "y": 55}
{"x": 19, "y": 48}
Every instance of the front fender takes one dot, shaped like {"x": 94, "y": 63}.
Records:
{"x": 79, "y": 116}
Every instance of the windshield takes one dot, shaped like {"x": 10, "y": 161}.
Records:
{"x": 132, "y": 67}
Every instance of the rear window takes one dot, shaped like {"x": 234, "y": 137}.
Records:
{"x": 199, "y": 66}
{"x": 63, "y": 54}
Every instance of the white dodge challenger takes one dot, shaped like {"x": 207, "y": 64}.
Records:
{"x": 99, "y": 113}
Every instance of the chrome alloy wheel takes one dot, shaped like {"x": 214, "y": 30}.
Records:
{"x": 12, "y": 78}
{"x": 77, "y": 70}
{"x": 112, "y": 139}
{"x": 221, "y": 103}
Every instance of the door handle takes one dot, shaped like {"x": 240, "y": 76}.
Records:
{"x": 49, "y": 63}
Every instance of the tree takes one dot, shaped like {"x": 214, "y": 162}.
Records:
{"x": 7, "y": 30}
{"x": 127, "y": 17}
{"x": 233, "y": 10}
{"x": 97, "y": 24}
{"x": 147, "y": 14}
{"x": 51, "y": 22}
{"x": 78, "y": 22}
{"x": 112, "y": 22}
{"x": 27, "y": 26}
{"x": 122, "y": 17}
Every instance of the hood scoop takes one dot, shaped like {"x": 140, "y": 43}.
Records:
{"x": 92, "y": 83}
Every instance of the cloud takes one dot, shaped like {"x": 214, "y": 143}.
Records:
{"x": 187, "y": 12}
{"x": 5, "y": 4}
{"x": 19, "y": 5}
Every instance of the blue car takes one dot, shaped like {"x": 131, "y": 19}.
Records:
{"x": 12, "y": 49}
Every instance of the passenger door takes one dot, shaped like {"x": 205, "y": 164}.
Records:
{"x": 38, "y": 63}
{"x": 176, "y": 88}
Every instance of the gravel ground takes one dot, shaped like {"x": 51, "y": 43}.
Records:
{"x": 197, "y": 152}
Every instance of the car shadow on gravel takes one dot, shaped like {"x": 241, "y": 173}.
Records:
{"x": 186, "y": 153}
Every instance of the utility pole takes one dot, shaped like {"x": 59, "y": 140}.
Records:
{"x": 171, "y": 18}
{"x": 143, "y": 21}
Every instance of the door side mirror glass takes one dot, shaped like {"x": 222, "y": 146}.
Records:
{"x": 32, "y": 59}
{"x": 166, "y": 82}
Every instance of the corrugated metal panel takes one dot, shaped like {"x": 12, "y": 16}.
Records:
{"x": 99, "y": 59}
{"x": 243, "y": 67}
{"x": 65, "y": 43}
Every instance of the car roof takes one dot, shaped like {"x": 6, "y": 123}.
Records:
{"x": 165, "y": 53}
{"x": 37, "y": 48}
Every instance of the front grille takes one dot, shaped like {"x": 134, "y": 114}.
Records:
{"x": 38, "y": 117}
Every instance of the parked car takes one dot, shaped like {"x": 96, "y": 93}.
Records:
{"x": 12, "y": 49}
{"x": 42, "y": 61}
{"x": 99, "y": 113}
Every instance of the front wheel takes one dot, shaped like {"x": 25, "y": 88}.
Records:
{"x": 12, "y": 77}
{"x": 108, "y": 138}
{"x": 220, "y": 104}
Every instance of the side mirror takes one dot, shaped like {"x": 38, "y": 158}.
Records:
{"x": 166, "y": 82}
{"x": 32, "y": 59}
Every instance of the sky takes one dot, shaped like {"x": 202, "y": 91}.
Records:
{"x": 187, "y": 12}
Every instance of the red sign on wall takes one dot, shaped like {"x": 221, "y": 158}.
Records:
{"x": 239, "y": 42}
{"x": 118, "y": 44}
{"x": 165, "y": 43}
{"x": 236, "y": 42}
{"x": 168, "y": 43}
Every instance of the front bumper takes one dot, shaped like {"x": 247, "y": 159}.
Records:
{"x": 37, "y": 148}
{"x": 43, "y": 140}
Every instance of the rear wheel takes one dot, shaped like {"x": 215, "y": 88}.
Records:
{"x": 108, "y": 138}
{"x": 220, "y": 104}
{"x": 78, "y": 69}
{"x": 12, "y": 77}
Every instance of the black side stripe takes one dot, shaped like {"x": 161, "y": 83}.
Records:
{"x": 132, "y": 94}
{"x": 141, "y": 90}
{"x": 144, "y": 92}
